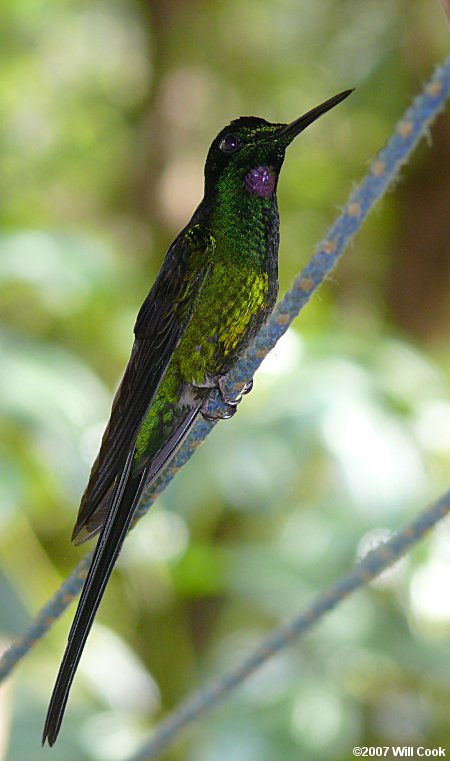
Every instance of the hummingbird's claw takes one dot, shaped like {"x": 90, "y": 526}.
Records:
{"x": 230, "y": 404}
{"x": 228, "y": 412}
{"x": 234, "y": 402}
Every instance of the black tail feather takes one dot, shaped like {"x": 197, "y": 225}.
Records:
{"x": 124, "y": 500}
{"x": 123, "y": 503}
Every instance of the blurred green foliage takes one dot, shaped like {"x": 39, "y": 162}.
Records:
{"x": 106, "y": 113}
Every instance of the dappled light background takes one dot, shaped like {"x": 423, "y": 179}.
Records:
{"x": 107, "y": 110}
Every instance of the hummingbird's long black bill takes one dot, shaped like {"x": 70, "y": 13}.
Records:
{"x": 298, "y": 125}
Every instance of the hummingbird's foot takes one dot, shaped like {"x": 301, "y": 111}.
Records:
{"x": 225, "y": 414}
{"x": 230, "y": 404}
{"x": 234, "y": 402}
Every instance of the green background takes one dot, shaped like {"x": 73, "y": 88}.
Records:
{"x": 107, "y": 110}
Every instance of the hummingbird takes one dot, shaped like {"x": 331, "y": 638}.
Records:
{"x": 216, "y": 287}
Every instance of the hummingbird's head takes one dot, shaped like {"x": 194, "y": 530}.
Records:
{"x": 249, "y": 152}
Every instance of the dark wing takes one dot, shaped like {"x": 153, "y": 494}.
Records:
{"x": 160, "y": 324}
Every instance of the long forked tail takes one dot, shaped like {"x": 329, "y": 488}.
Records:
{"x": 124, "y": 500}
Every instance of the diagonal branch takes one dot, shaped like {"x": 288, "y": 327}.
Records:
{"x": 216, "y": 690}
{"x": 382, "y": 172}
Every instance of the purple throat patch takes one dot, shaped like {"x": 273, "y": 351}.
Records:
{"x": 261, "y": 181}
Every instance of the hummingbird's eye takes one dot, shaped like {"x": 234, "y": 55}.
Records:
{"x": 229, "y": 143}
